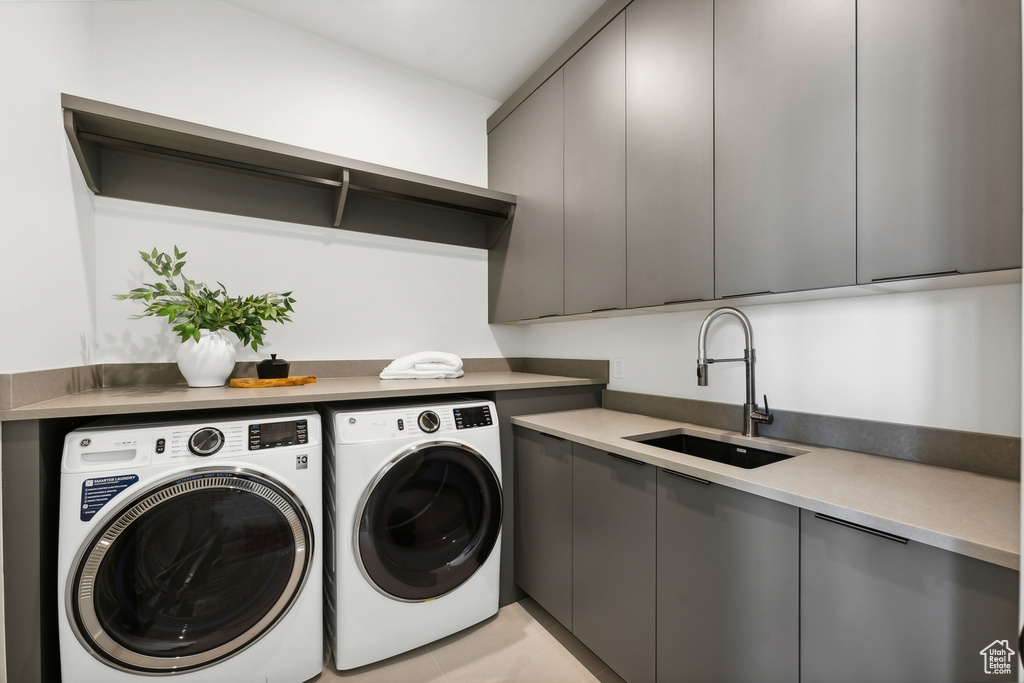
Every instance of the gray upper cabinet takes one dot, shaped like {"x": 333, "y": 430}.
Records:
{"x": 504, "y": 259}
{"x": 938, "y": 137}
{"x": 613, "y": 561}
{"x": 525, "y": 158}
{"x": 784, "y": 145}
{"x": 595, "y": 173}
{"x": 539, "y": 217}
{"x": 670, "y": 151}
{"x": 728, "y": 584}
{"x": 876, "y": 609}
{"x": 543, "y": 521}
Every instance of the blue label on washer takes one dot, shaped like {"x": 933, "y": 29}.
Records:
{"x": 97, "y": 492}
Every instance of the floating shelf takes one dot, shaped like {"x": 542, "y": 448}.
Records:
{"x": 135, "y": 155}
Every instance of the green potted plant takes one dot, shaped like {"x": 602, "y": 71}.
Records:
{"x": 200, "y": 315}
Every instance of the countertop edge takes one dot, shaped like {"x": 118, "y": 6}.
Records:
{"x": 162, "y": 398}
{"x": 873, "y": 516}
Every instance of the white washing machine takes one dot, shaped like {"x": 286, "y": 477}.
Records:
{"x": 190, "y": 550}
{"x": 413, "y": 510}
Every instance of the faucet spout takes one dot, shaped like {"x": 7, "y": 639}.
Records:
{"x": 751, "y": 415}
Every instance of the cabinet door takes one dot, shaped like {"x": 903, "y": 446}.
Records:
{"x": 728, "y": 584}
{"x": 543, "y": 521}
{"x": 877, "y": 610}
{"x": 938, "y": 137}
{"x": 670, "y": 151}
{"x": 539, "y": 209}
{"x": 613, "y": 561}
{"x": 504, "y": 259}
{"x": 595, "y": 173}
{"x": 785, "y": 134}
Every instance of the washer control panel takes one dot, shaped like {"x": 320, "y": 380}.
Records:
{"x": 277, "y": 434}
{"x": 144, "y": 444}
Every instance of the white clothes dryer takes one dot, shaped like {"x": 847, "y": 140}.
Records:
{"x": 413, "y": 511}
{"x": 190, "y": 550}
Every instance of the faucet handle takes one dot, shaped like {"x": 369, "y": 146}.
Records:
{"x": 767, "y": 411}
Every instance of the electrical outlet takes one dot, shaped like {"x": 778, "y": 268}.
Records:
{"x": 617, "y": 370}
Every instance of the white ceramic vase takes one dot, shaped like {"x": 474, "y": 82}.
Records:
{"x": 208, "y": 362}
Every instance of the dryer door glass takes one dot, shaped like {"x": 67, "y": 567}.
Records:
{"x": 429, "y": 521}
{"x": 192, "y": 572}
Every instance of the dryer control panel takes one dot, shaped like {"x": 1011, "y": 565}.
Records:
{"x": 405, "y": 422}
{"x": 475, "y": 416}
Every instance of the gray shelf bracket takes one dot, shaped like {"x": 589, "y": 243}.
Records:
{"x": 494, "y": 234}
{"x": 86, "y": 153}
{"x": 340, "y": 195}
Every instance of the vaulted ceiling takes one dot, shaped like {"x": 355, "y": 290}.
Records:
{"x": 488, "y": 47}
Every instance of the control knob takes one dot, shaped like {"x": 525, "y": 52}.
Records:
{"x": 429, "y": 421}
{"x": 206, "y": 441}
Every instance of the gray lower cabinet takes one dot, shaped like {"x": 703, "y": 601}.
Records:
{"x": 785, "y": 145}
{"x": 543, "y": 521}
{"x": 874, "y": 609}
{"x": 613, "y": 561}
{"x": 595, "y": 173}
{"x": 728, "y": 584}
{"x": 670, "y": 152}
{"x": 938, "y": 137}
{"x": 670, "y": 578}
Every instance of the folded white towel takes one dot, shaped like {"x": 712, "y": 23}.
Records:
{"x": 420, "y": 374}
{"x": 424, "y": 365}
{"x": 436, "y": 367}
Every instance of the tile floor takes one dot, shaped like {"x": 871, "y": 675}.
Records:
{"x": 520, "y": 643}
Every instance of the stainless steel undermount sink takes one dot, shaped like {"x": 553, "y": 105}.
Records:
{"x": 737, "y": 455}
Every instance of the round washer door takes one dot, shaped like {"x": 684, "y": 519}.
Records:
{"x": 191, "y": 572}
{"x": 428, "y": 521}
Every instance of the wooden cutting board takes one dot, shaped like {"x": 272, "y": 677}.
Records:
{"x": 252, "y": 382}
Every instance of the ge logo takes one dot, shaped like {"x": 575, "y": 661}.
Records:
{"x": 301, "y": 462}
{"x": 84, "y": 442}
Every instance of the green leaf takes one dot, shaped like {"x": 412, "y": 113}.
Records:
{"x": 191, "y": 306}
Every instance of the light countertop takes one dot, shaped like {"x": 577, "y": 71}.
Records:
{"x": 971, "y": 514}
{"x": 154, "y": 398}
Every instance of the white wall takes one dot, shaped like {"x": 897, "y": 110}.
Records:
{"x": 204, "y": 61}
{"x": 212, "y": 63}
{"x": 359, "y": 296}
{"x": 46, "y": 226}
{"x": 948, "y": 358}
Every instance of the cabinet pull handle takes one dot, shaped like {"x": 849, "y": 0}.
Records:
{"x": 918, "y": 276}
{"x": 683, "y": 301}
{"x": 736, "y": 296}
{"x": 551, "y": 436}
{"x": 610, "y": 308}
{"x": 686, "y": 476}
{"x": 627, "y": 459}
{"x": 548, "y": 315}
{"x": 858, "y": 527}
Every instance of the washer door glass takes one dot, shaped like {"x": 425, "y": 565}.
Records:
{"x": 191, "y": 572}
{"x": 429, "y": 521}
